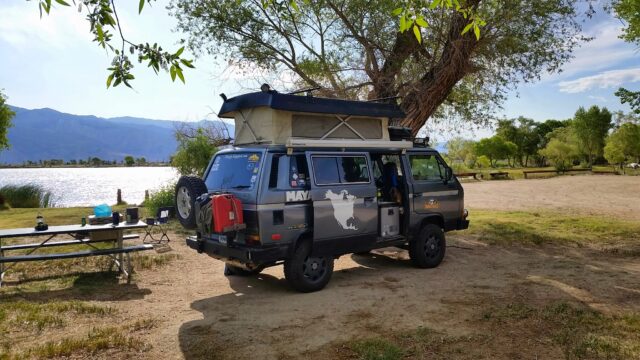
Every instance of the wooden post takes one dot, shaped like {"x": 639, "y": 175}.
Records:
{"x": 119, "y": 197}
{"x": 146, "y": 195}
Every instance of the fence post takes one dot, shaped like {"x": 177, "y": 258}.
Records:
{"x": 146, "y": 195}
{"x": 119, "y": 197}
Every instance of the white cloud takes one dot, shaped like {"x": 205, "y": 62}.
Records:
{"x": 604, "y": 51}
{"x": 21, "y": 26}
{"x": 607, "y": 79}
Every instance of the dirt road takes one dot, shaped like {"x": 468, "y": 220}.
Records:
{"x": 203, "y": 314}
{"x": 584, "y": 194}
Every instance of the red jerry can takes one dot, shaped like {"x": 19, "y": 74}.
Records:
{"x": 227, "y": 212}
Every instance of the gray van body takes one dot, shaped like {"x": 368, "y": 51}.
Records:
{"x": 339, "y": 218}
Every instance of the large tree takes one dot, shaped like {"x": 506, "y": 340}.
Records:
{"x": 5, "y": 122}
{"x": 522, "y": 132}
{"x": 354, "y": 49}
{"x": 591, "y": 128}
{"x": 628, "y": 11}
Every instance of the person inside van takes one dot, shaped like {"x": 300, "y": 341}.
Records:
{"x": 390, "y": 183}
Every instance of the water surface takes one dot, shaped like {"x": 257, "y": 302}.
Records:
{"x": 92, "y": 186}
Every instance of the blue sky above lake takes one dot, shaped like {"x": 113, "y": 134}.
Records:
{"x": 52, "y": 62}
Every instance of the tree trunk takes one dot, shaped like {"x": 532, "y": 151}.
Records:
{"x": 423, "y": 99}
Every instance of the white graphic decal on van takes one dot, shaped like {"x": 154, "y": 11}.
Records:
{"x": 292, "y": 196}
{"x": 342, "y": 204}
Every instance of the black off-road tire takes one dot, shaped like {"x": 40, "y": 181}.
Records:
{"x": 301, "y": 273}
{"x": 188, "y": 189}
{"x": 428, "y": 248}
{"x": 230, "y": 270}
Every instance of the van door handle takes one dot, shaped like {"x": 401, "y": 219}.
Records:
{"x": 369, "y": 199}
{"x": 417, "y": 195}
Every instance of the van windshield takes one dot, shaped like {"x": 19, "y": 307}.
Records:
{"x": 238, "y": 171}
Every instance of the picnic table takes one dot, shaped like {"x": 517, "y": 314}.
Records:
{"x": 82, "y": 235}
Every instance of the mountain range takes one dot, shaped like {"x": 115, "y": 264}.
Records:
{"x": 43, "y": 134}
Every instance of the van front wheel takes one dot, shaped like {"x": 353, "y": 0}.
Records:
{"x": 306, "y": 273}
{"x": 428, "y": 248}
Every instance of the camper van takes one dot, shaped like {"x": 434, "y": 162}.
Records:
{"x": 309, "y": 179}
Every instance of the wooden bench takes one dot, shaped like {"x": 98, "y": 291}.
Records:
{"x": 499, "y": 175}
{"x": 527, "y": 172}
{"x": 62, "y": 243}
{"x": 77, "y": 254}
{"x": 468, "y": 174}
{"x": 577, "y": 170}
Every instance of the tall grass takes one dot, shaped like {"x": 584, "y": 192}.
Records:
{"x": 160, "y": 198}
{"x": 26, "y": 196}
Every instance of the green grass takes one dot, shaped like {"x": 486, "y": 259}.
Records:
{"x": 376, "y": 349}
{"x": 502, "y": 330}
{"x": 38, "y": 316}
{"x": 26, "y": 196}
{"x": 582, "y": 333}
{"x": 540, "y": 227}
{"x": 94, "y": 343}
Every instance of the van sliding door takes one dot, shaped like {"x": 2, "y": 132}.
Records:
{"x": 344, "y": 199}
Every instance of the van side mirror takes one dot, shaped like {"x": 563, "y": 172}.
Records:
{"x": 448, "y": 174}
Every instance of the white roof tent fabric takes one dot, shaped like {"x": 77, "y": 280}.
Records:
{"x": 268, "y": 117}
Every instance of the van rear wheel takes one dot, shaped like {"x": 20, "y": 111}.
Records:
{"x": 428, "y": 248}
{"x": 306, "y": 273}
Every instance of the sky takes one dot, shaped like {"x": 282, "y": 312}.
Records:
{"x": 52, "y": 62}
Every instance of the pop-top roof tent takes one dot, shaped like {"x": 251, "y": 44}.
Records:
{"x": 269, "y": 117}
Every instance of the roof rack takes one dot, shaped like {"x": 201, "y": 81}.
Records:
{"x": 341, "y": 143}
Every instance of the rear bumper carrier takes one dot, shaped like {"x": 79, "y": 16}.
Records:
{"x": 237, "y": 253}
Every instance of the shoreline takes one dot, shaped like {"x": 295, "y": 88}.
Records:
{"x": 5, "y": 166}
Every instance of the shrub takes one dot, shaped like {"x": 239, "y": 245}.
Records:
{"x": 160, "y": 198}
{"x": 482, "y": 162}
{"x": 26, "y": 196}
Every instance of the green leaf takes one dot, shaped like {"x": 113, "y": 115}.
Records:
{"x": 140, "y": 6}
{"x": 476, "y": 30}
{"x": 434, "y": 4}
{"x": 421, "y": 22}
{"x": 467, "y": 28}
{"x": 403, "y": 23}
{"x": 179, "y": 73}
{"x": 416, "y": 32}
{"x": 396, "y": 11}
{"x": 294, "y": 5}
{"x": 62, "y": 2}
{"x": 187, "y": 63}
{"x": 177, "y": 54}
{"x": 109, "y": 79}
{"x": 172, "y": 71}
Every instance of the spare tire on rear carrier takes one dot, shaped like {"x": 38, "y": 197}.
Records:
{"x": 188, "y": 189}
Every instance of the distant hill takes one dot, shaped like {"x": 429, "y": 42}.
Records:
{"x": 43, "y": 134}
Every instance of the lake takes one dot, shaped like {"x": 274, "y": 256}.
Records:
{"x": 92, "y": 186}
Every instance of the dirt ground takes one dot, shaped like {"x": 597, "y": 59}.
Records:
{"x": 202, "y": 314}
{"x": 584, "y": 194}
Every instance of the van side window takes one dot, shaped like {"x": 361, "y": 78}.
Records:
{"x": 298, "y": 172}
{"x": 273, "y": 174}
{"x": 426, "y": 168}
{"x": 289, "y": 172}
{"x": 340, "y": 169}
